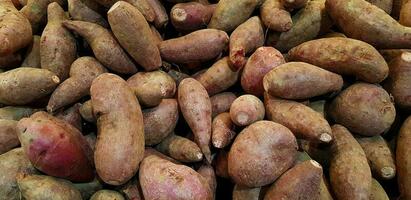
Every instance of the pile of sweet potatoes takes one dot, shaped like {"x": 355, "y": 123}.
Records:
{"x": 205, "y": 99}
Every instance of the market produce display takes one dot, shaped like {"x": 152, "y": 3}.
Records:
{"x": 205, "y": 99}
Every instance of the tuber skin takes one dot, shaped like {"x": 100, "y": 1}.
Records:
{"x": 32, "y": 57}
{"x": 36, "y": 12}
{"x": 180, "y": 148}
{"x": 246, "y": 110}
{"x": 223, "y": 130}
{"x": 191, "y": 16}
{"x": 398, "y": 83}
{"x": 161, "y": 16}
{"x": 403, "y": 158}
{"x": 275, "y": 16}
{"x": 222, "y": 102}
{"x": 78, "y": 10}
{"x": 8, "y": 135}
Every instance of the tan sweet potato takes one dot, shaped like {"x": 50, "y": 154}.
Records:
{"x": 343, "y": 56}
{"x": 196, "y": 108}
{"x": 160, "y": 121}
{"x": 55, "y": 147}
{"x": 10, "y": 61}
{"x": 246, "y": 110}
{"x": 263, "y": 60}
{"x": 126, "y": 20}
{"x": 274, "y": 16}
{"x": 15, "y": 30}
{"x": 72, "y": 116}
{"x": 51, "y": 188}
{"x": 403, "y": 159}
{"x": 180, "y": 148}
{"x": 363, "y": 108}
{"x": 399, "y": 80}
{"x": 36, "y": 11}
{"x": 142, "y": 5}
{"x": 245, "y": 39}
{"x": 161, "y": 16}
{"x": 16, "y": 113}
{"x": 191, "y": 16}
{"x": 275, "y": 146}
{"x": 151, "y": 87}
{"x": 157, "y": 36}
{"x": 86, "y": 112}
{"x": 361, "y": 20}
{"x": 12, "y": 163}
{"x": 294, "y": 4}
{"x": 198, "y": 46}
{"x": 300, "y": 182}
{"x": 120, "y": 142}
{"x": 104, "y": 46}
{"x": 218, "y": 77}
{"x": 153, "y": 152}
{"x": 207, "y": 171}
{"x": 385, "y": 5}
{"x": 107, "y": 195}
{"x": 298, "y": 80}
{"x": 78, "y": 10}
{"x": 24, "y": 85}
{"x": 300, "y": 119}
{"x": 390, "y": 54}
{"x": 230, "y": 14}
{"x": 245, "y": 193}
{"x": 171, "y": 181}
{"x": 350, "y": 174}
{"x": 405, "y": 13}
{"x": 222, "y": 102}
{"x": 377, "y": 191}
{"x": 32, "y": 57}
{"x": 8, "y": 135}
{"x": 223, "y": 130}
{"x": 82, "y": 73}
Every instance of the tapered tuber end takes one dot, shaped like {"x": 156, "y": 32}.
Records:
{"x": 315, "y": 164}
{"x": 199, "y": 156}
{"x": 242, "y": 118}
{"x": 55, "y": 79}
{"x": 406, "y": 56}
{"x": 179, "y": 14}
{"x": 218, "y": 144}
{"x": 387, "y": 172}
{"x": 325, "y": 137}
{"x": 50, "y": 108}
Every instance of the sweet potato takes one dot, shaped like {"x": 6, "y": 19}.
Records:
{"x": 405, "y": 13}
{"x": 274, "y": 16}
{"x": 82, "y": 72}
{"x": 126, "y": 20}
{"x": 361, "y": 20}
{"x": 245, "y": 39}
{"x": 171, "y": 181}
{"x": 86, "y": 112}
{"x": 132, "y": 189}
{"x": 350, "y": 174}
{"x": 180, "y": 148}
{"x": 32, "y": 57}
{"x": 36, "y": 11}
{"x": 300, "y": 182}
{"x": 261, "y": 153}
{"x": 51, "y": 188}
{"x": 318, "y": 106}
{"x": 229, "y": 14}
{"x": 120, "y": 142}
{"x": 399, "y": 80}
{"x": 390, "y": 54}
{"x": 72, "y": 116}
{"x": 298, "y": 80}
{"x": 363, "y": 108}
{"x": 334, "y": 34}
{"x": 142, "y": 5}
{"x": 55, "y": 147}
{"x": 245, "y": 193}
{"x": 161, "y": 16}
{"x": 207, "y": 171}
{"x": 308, "y": 23}
{"x": 8, "y": 135}
{"x": 160, "y": 121}
{"x": 12, "y": 163}
{"x": 15, "y": 30}
{"x": 178, "y": 76}
{"x": 385, "y": 5}
{"x": 223, "y": 130}
{"x": 343, "y": 56}
{"x": 151, "y": 87}
{"x": 246, "y": 110}
{"x": 195, "y": 105}
{"x": 377, "y": 191}
{"x": 263, "y": 60}
{"x": 104, "y": 46}
{"x": 379, "y": 156}
{"x": 153, "y": 152}
{"x": 88, "y": 189}
{"x": 218, "y": 77}
{"x": 191, "y": 16}
{"x": 16, "y": 113}
{"x": 221, "y": 102}
{"x": 107, "y": 195}
{"x": 294, "y": 4}
{"x": 198, "y": 46}
{"x": 403, "y": 159}
{"x": 300, "y": 119}
{"x": 10, "y": 61}
{"x": 24, "y": 85}
{"x": 221, "y": 164}
{"x": 78, "y": 10}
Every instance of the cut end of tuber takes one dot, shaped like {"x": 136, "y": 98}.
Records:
{"x": 387, "y": 172}
{"x": 55, "y": 79}
{"x": 325, "y": 137}
{"x": 179, "y": 14}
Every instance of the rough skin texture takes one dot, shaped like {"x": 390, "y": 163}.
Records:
{"x": 261, "y": 153}
{"x": 403, "y": 158}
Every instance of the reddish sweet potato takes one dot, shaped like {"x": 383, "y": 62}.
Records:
{"x": 275, "y": 146}
{"x": 218, "y": 77}
{"x": 160, "y": 121}
{"x": 171, "y": 181}
{"x": 8, "y": 135}
{"x": 32, "y": 57}
{"x": 343, "y": 56}
{"x": 82, "y": 73}
{"x": 104, "y": 46}
{"x": 126, "y": 20}
{"x": 274, "y": 16}
{"x": 198, "y": 46}
{"x": 78, "y": 10}
{"x": 263, "y": 60}
{"x": 55, "y": 147}
{"x": 246, "y": 110}
{"x": 36, "y": 11}
{"x": 223, "y": 130}
{"x": 403, "y": 159}
{"x": 222, "y": 102}
{"x": 245, "y": 39}
{"x": 363, "y": 108}
{"x": 180, "y": 148}
{"x": 196, "y": 108}
{"x": 120, "y": 142}
{"x": 191, "y": 16}
{"x": 399, "y": 80}
{"x": 207, "y": 171}
{"x": 298, "y": 80}
{"x": 161, "y": 16}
